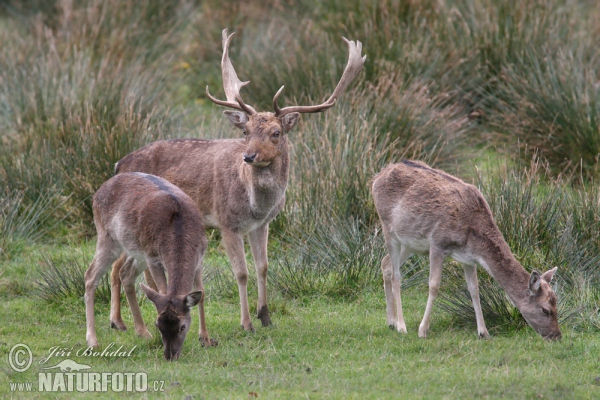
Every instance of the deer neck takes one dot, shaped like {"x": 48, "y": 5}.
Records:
{"x": 266, "y": 185}
{"x": 499, "y": 261}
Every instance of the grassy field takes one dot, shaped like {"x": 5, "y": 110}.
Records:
{"x": 503, "y": 94}
{"x": 317, "y": 348}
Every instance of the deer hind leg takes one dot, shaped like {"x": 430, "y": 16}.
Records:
{"x": 473, "y": 285}
{"x": 106, "y": 253}
{"x": 116, "y": 322}
{"x": 258, "y": 243}
{"x": 390, "y": 306}
{"x": 129, "y": 273}
{"x": 234, "y": 246}
{"x": 398, "y": 255}
{"x": 436, "y": 263}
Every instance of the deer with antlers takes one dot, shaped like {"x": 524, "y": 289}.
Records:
{"x": 238, "y": 184}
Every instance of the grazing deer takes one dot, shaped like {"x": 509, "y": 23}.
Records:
{"x": 238, "y": 184}
{"x": 426, "y": 210}
{"x": 156, "y": 225}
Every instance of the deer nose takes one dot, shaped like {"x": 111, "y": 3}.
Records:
{"x": 249, "y": 158}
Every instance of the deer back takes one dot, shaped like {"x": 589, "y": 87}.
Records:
{"x": 421, "y": 205}
{"x": 148, "y": 215}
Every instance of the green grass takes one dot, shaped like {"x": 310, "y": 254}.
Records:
{"x": 319, "y": 347}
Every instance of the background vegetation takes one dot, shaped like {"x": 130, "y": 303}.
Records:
{"x": 504, "y": 94}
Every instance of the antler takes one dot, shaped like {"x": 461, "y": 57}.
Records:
{"x": 353, "y": 68}
{"x": 231, "y": 82}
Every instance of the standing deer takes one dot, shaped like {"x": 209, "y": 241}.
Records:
{"x": 238, "y": 184}
{"x": 156, "y": 225}
{"x": 426, "y": 210}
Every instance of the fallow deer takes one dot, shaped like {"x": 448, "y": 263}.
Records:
{"x": 238, "y": 184}
{"x": 156, "y": 225}
{"x": 425, "y": 210}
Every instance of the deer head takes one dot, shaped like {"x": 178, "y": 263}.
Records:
{"x": 265, "y": 131}
{"x": 173, "y": 320}
{"x": 539, "y": 307}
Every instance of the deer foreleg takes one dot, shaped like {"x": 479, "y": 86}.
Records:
{"x": 234, "y": 246}
{"x": 258, "y": 243}
{"x": 473, "y": 285}
{"x": 436, "y": 263}
{"x": 128, "y": 276}
{"x": 116, "y": 322}
{"x": 155, "y": 277}
{"x": 203, "y": 331}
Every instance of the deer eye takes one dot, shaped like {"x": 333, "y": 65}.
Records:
{"x": 545, "y": 311}
{"x": 276, "y": 134}
{"x": 182, "y": 328}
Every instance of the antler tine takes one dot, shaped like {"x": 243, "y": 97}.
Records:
{"x": 353, "y": 68}
{"x": 231, "y": 82}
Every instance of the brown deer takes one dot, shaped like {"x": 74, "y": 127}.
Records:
{"x": 238, "y": 184}
{"x": 156, "y": 225}
{"x": 425, "y": 210}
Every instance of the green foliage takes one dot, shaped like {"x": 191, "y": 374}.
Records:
{"x": 21, "y": 222}
{"x": 62, "y": 279}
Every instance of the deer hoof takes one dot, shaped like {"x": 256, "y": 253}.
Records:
{"x": 484, "y": 335}
{"x": 249, "y": 328}
{"x": 145, "y": 334}
{"x": 118, "y": 325}
{"x": 263, "y": 315}
{"x": 206, "y": 342}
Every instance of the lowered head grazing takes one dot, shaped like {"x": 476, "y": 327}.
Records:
{"x": 173, "y": 319}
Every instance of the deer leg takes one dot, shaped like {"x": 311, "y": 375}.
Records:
{"x": 150, "y": 280}
{"x": 398, "y": 255}
{"x": 390, "y": 306}
{"x": 258, "y": 244}
{"x": 155, "y": 276}
{"x": 205, "y": 340}
{"x": 473, "y": 285}
{"x": 436, "y": 263}
{"x": 106, "y": 253}
{"x": 234, "y": 246}
{"x": 128, "y": 276}
{"x": 116, "y": 322}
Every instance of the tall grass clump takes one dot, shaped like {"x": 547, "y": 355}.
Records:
{"x": 22, "y": 222}
{"x": 63, "y": 278}
{"x": 551, "y": 106}
{"x": 82, "y": 93}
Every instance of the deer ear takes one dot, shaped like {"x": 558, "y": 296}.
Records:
{"x": 237, "y": 118}
{"x": 289, "y": 121}
{"x": 535, "y": 281}
{"x": 193, "y": 298}
{"x": 150, "y": 293}
{"x": 548, "y": 275}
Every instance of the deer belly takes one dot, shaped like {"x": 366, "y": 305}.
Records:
{"x": 418, "y": 245}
